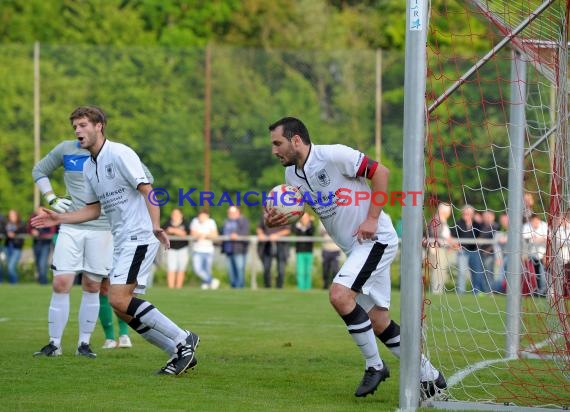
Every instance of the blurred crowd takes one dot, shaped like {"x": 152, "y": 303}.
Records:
{"x": 464, "y": 254}
{"x": 193, "y": 249}
{"x": 13, "y": 231}
{"x": 474, "y": 246}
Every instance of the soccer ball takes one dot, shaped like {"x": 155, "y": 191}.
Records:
{"x": 287, "y": 200}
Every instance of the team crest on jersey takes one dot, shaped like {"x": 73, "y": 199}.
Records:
{"x": 323, "y": 177}
{"x": 110, "y": 171}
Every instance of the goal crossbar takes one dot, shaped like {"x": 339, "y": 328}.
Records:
{"x": 498, "y": 47}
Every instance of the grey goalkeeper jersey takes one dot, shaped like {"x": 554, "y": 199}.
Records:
{"x": 72, "y": 157}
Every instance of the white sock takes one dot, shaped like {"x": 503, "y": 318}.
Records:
{"x": 153, "y": 336}
{"x": 396, "y": 351}
{"x": 158, "y": 339}
{"x": 58, "y": 314}
{"x": 153, "y": 318}
{"x": 428, "y": 372}
{"x": 360, "y": 328}
{"x": 366, "y": 342}
{"x": 88, "y": 315}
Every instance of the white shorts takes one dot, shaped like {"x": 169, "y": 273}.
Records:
{"x": 80, "y": 250}
{"x": 132, "y": 264}
{"x": 177, "y": 259}
{"x": 367, "y": 272}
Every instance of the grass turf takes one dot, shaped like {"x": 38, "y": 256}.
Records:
{"x": 278, "y": 350}
{"x": 260, "y": 350}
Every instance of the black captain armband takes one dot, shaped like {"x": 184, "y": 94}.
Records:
{"x": 367, "y": 168}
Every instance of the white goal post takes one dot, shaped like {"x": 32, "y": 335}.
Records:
{"x": 488, "y": 128}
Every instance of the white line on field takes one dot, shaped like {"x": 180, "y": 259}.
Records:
{"x": 463, "y": 373}
{"x": 459, "y": 376}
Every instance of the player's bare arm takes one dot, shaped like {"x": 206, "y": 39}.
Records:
{"x": 50, "y": 218}
{"x": 378, "y": 183}
{"x": 154, "y": 212}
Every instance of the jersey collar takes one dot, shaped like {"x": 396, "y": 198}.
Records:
{"x": 103, "y": 146}
{"x": 301, "y": 173}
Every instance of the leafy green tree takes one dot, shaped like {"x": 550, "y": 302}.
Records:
{"x": 144, "y": 62}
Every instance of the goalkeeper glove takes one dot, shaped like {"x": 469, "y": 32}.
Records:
{"x": 59, "y": 204}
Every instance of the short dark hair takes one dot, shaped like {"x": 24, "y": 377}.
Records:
{"x": 93, "y": 113}
{"x": 291, "y": 127}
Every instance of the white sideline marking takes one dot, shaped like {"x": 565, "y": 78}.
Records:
{"x": 530, "y": 351}
{"x": 459, "y": 376}
{"x": 540, "y": 345}
{"x": 462, "y": 374}
{"x": 4, "y": 319}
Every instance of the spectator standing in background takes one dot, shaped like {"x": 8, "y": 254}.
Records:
{"x": 204, "y": 230}
{"x": 500, "y": 283}
{"x": 41, "y": 246}
{"x": 468, "y": 256}
{"x": 330, "y": 253}
{"x": 178, "y": 255}
{"x": 235, "y": 250}
{"x": 269, "y": 247}
{"x": 535, "y": 232}
{"x": 304, "y": 251}
{"x": 439, "y": 238}
{"x": 14, "y": 244}
{"x": 489, "y": 229}
{"x": 528, "y": 206}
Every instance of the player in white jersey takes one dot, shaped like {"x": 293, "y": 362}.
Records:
{"x": 332, "y": 179}
{"x": 85, "y": 248}
{"x": 116, "y": 183}
{"x": 74, "y": 253}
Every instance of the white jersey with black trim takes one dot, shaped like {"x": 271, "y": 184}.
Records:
{"x": 329, "y": 177}
{"x": 72, "y": 157}
{"x": 113, "y": 177}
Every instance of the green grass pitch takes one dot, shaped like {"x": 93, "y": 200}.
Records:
{"x": 260, "y": 350}
{"x": 264, "y": 350}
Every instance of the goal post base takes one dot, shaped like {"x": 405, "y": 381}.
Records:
{"x": 475, "y": 406}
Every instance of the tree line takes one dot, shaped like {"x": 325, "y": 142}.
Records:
{"x": 144, "y": 62}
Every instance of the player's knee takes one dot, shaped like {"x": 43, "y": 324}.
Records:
{"x": 91, "y": 283}
{"x": 341, "y": 298}
{"x": 62, "y": 283}
{"x": 91, "y": 288}
{"x": 118, "y": 300}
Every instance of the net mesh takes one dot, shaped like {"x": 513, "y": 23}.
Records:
{"x": 468, "y": 148}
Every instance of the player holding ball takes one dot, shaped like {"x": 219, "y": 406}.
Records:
{"x": 360, "y": 292}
